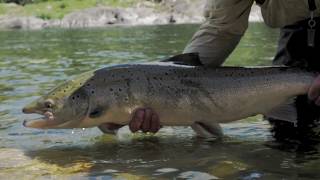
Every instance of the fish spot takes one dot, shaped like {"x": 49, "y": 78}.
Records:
{"x": 88, "y": 84}
{"x": 111, "y": 89}
{"x": 120, "y": 89}
{"x": 73, "y": 98}
{"x": 92, "y": 92}
{"x": 190, "y": 83}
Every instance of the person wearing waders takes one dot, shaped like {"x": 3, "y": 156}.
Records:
{"x": 299, "y": 46}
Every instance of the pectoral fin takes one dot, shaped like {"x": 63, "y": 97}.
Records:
{"x": 110, "y": 128}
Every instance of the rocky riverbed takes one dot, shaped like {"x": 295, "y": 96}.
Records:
{"x": 144, "y": 13}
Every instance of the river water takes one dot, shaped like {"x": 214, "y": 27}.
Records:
{"x": 32, "y": 62}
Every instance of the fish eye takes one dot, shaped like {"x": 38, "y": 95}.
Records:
{"x": 48, "y": 103}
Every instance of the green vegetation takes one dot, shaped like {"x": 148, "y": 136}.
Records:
{"x": 56, "y": 9}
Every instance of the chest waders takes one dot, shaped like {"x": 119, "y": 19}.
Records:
{"x": 299, "y": 46}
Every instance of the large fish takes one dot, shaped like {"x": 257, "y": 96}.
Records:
{"x": 182, "y": 95}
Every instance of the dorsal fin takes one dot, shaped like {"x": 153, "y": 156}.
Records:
{"x": 191, "y": 59}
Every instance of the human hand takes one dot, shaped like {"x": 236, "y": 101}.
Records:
{"x": 144, "y": 119}
{"x": 314, "y": 91}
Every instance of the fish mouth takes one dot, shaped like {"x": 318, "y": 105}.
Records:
{"x": 45, "y": 122}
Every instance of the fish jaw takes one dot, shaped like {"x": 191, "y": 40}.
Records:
{"x": 40, "y": 123}
{"x": 44, "y": 122}
{"x": 47, "y": 121}
{"x": 50, "y": 123}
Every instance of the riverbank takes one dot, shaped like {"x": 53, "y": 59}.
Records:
{"x": 88, "y": 13}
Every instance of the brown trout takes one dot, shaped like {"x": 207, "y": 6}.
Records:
{"x": 182, "y": 95}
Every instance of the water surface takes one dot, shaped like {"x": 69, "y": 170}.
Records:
{"x": 32, "y": 62}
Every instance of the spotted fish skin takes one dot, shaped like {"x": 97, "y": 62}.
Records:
{"x": 180, "y": 94}
{"x": 185, "y": 94}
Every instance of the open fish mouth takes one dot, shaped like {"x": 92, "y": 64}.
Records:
{"x": 45, "y": 122}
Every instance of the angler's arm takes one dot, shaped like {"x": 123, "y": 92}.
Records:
{"x": 226, "y": 22}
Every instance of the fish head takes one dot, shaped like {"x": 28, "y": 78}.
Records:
{"x": 63, "y": 107}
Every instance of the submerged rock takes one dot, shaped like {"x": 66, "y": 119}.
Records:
{"x": 196, "y": 175}
{"x": 17, "y": 158}
{"x": 228, "y": 169}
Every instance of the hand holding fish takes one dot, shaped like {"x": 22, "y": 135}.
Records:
{"x": 144, "y": 119}
{"x": 314, "y": 91}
